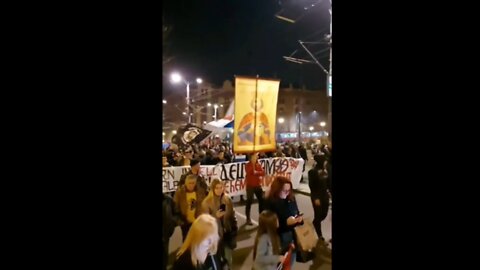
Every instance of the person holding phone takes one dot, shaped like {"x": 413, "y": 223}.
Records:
{"x": 219, "y": 205}
{"x": 281, "y": 201}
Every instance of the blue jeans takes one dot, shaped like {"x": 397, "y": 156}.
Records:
{"x": 286, "y": 239}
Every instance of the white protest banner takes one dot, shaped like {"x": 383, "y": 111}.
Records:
{"x": 233, "y": 174}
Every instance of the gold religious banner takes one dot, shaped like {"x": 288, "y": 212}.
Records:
{"x": 255, "y": 114}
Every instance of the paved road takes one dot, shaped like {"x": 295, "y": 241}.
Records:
{"x": 243, "y": 254}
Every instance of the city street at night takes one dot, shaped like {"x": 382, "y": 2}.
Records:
{"x": 243, "y": 254}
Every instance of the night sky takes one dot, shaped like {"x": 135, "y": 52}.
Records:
{"x": 217, "y": 39}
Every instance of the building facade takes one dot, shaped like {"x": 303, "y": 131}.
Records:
{"x": 296, "y": 108}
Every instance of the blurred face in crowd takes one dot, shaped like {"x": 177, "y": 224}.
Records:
{"x": 285, "y": 191}
{"x": 219, "y": 189}
{"x": 196, "y": 168}
{"x": 221, "y": 155}
{"x": 188, "y": 154}
{"x": 254, "y": 157}
{"x": 190, "y": 183}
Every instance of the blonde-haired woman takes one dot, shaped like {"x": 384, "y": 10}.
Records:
{"x": 219, "y": 205}
{"x": 199, "y": 250}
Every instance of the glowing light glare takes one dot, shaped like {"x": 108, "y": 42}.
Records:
{"x": 221, "y": 105}
{"x": 176, "y": 78}
{"x": 215, "y": 106}
{"x": 199, "y": 80}
{"x": 174, "y": 132}
{"x": 322, "y": 124}
{"x": 209, "y": 104}
{"x": 163, "y": 133}
{"x": 164, "y": 101}
{"x": 311, "y": 128}
{"x": 184, "y": 113}
{"x": 281, "y": 120}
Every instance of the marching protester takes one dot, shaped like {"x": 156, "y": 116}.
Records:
{"x": 219, "y": 205}
{"x": 188, "y": 202}
{"x": 168, "y": 225}
{"x": 199, "y": 248}
{"x": 253, "y": 171}
{"x": 267, "y": 253}
{"x": 318, "y": 183}
{"x": 281, "y": 201}
{"x": 194, "y": 170}
{"x": 186, "y": 158}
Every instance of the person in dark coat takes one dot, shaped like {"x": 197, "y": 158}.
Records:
{"x": 281, "y": 201}
{"x": 168, "y": 225}
{"x": 318, "y": 183}
{"x": 302, "y": 151}
{"x": 195, "y": 170}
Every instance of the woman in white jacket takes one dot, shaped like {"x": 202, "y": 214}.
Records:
{"x": 266, "y": 252}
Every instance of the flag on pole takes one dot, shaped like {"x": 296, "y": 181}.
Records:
{"x": 255, "y": 114}
{"x": 189, "y": 134}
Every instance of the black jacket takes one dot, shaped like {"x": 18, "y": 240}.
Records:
{"x": 318, "y": 183}
{"x": 168, "y": 218}
{"x": 303, "y": 152}
{"x": 284, "y": 209}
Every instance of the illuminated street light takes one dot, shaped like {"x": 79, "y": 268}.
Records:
{"x": 176, "y": 78}
{"x": 174, "y": 132}
{"x": 209, "y": 104}
{"x": 164, "y": 101}
{"x": 322, "y": 124}
{"x": 311, "y": 128}
{"x": 281, "y": 120}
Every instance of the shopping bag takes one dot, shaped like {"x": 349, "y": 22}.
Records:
{"x": 307, "y": 239}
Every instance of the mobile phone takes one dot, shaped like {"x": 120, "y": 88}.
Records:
{"x": 299, "y": 214}
{"x": 223, "y": 207}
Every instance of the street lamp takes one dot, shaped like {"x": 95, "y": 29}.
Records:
{"x": 281, "y": 120}
{"x": 176, "y": 78}
{"x": 164, "y": 101}
{"x": 323, "y": 124}
{"x": 215, "y": 107}
{"x": 311, "y": 128}
{"x": 299, "y": 119}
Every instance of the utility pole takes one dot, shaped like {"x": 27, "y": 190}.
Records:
{"x": 329, "y": 79}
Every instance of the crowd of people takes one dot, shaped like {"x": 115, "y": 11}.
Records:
{"x": 206, "y": 215}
